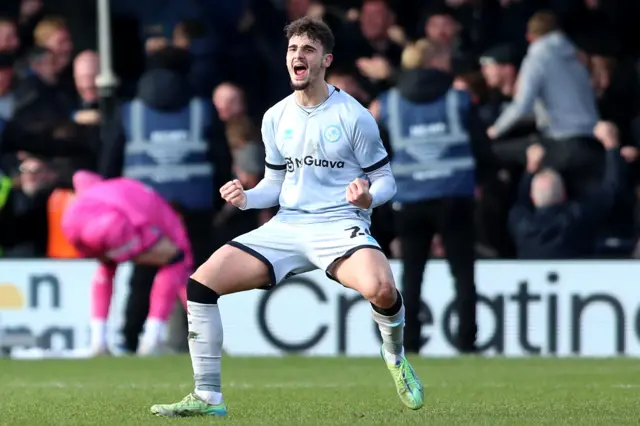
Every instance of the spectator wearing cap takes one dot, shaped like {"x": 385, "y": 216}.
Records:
{"x": 433, "y": 134}
{"x": 171, "y": 145}
{"x": 499, "y": 67}
{"x": 555, "y": 86}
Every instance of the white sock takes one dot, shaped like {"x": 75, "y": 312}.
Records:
{"x": 155, "y": 331}
{"x": 98, "y": 334}
{"x": 392, "y": 332}
{"x": 205, "y": 348}
{"x": 212, "y": 397}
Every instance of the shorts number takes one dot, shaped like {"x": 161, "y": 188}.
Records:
{"x": 356, "y": 230}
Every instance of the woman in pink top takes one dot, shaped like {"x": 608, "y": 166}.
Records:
{"x": 121, "y": 220}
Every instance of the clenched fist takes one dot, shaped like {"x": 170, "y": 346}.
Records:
{"x": 358, "y": 194}
{"x": 233, "y": 193}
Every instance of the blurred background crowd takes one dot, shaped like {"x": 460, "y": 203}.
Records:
{"x": 220, "y": 64}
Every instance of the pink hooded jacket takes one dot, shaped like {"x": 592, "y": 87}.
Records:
{"x": 119, "y": 219}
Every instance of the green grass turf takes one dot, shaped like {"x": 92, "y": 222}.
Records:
{"x": 323, "y": 391}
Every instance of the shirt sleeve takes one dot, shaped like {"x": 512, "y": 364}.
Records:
{"x": 529, "y": 83}
{"x": 273, "y": 158}
{"x": 383, "y": 185}
{"x": 267, "y": 192}
{"x": 367, "y": 144}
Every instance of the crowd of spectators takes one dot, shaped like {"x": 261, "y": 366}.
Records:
{"x": 232, "y": 53}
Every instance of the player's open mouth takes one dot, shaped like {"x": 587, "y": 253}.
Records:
{"x": 300, "y": 70}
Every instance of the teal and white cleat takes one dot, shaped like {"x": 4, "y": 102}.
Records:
{"x": 408, "y": 385}
{"x": 190, "y": 406}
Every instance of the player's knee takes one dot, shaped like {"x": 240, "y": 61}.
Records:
{"x": 211, "y": 270}
{"x": 200, "y": 293}
{"x": 380, "y": 291}
{"x": 200, "y": 274}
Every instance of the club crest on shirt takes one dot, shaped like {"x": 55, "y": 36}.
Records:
{"x": 332, "y": 134}
{"x": 287, "y": 134}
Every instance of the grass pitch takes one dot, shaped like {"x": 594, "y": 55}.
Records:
{"x": 320, "y": 391}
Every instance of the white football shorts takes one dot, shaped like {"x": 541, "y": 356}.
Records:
{"x": 290, "y": 249}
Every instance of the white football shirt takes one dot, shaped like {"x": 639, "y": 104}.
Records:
{"x": 323, "y": 149}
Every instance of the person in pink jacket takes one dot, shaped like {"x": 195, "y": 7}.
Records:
{"x": 121, "y": 220}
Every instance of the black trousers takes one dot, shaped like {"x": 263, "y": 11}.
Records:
{"x": 416, "y": 225}
{"x": 137, "y": 307}
{"x": 199, "y": 230}
{"x": 580, "y": 160}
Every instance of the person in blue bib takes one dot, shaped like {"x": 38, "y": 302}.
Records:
{"x": 434, "y": 139}
{"x": 173, "y": 143}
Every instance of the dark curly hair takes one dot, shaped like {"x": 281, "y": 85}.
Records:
{"x": 315, "y": 29}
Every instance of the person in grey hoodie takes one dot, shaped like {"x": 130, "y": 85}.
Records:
{"x": 555, "y": 85}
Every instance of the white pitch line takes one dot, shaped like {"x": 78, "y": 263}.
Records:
{"x": 233, "y": 385}
{"x": 294, "y": 385}
{"x": 637, "y": 386}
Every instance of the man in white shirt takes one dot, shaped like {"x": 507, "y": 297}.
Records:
{"x": 327, "y": 169}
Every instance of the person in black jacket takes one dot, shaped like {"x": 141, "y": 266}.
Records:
{"x": 547, "y": 226}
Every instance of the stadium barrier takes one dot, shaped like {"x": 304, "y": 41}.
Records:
{"x": 573, "y": 308}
